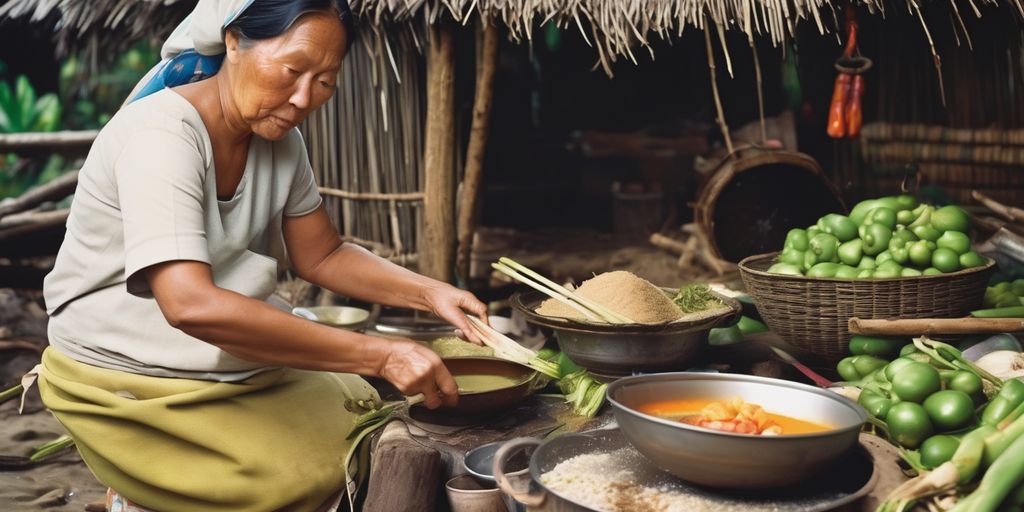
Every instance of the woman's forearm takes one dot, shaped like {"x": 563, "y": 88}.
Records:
{"x": 355, "y": 272}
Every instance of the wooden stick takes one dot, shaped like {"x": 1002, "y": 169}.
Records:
{"x": 53, "y": 190}
{"x": 487, "y": 62}
{"x": 714, "y": 90}
{"x": 922, "y": 326}
{"x": 43, "y": 221}
{"x": 47, "y": 141}
{"x": 1010, "y": 213}
{"x": 437, "y": 251}
{"x": 27, "y": 218}
{"x": 669, "y": 244}
{"x": 689, "y": 252}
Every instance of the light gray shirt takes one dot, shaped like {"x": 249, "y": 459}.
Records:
{"x": 147, "y": 194}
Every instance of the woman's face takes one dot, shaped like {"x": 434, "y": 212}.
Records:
{"x": 275, "y": 83}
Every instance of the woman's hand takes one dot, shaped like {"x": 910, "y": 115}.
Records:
{"x": 413, "y": 369}
{"x": 452, "y": 304}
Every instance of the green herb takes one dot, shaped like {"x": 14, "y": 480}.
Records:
{"x": 696, "y": 297}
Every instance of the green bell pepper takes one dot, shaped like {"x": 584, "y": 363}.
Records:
{"x": 899, "y": 248}
{"x": 1010, "y": 396}
{"x": 954, "y": 241}
{"x": 861, "y": 210}
{"x": 824, "y": 269}
{"x": 888, "y": 270}
{"x": 882, "y": 257}
{"x": 851, "y": 252}
{"x": 876, "y": 239}
{"x": 824, "y": 247}
{"x": 920, "y": 253}
{"x": 910, "y": 272}
{"x": 846, "y": 272}
{"x": 796, "y": 239}
{"x": 866, "y": 262}
{"x": 875, "y": 404}
{"x": 924, "y": 218}
{"x": 881, "y": 215}
{"x": 812, "y": 231}
{"x": 926, "y": 232}
{"x": 866, "y": 273}
{"x": 792, "y": 256}
{"x": 905, "y": 217}
{"x": 786, "y": 268}
{"x": 839, "y": 226}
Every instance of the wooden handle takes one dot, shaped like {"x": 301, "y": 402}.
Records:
{"x": 921, "y": 326}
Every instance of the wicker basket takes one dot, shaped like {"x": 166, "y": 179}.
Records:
{"x": 812, "y": 313}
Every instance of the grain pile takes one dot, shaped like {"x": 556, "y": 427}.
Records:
{"x": 622, "y": 292}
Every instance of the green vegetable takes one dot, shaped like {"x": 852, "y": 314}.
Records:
{"x": 945, "y": 260}
{"x": 910, "y": 272}
{"x": 867, "y": 262}
{"x": 1003, "y": 477}
{"x": 882, "y": 347}
{"x": 920, "y": 254}
{"x": 908, "y": 424}
{"x": 905, "y": 202}
{"x": 888, "y": 270}
{"x": 861, "y": 210}
{"x": 954, "y": 241}
{"x": 968, "y": 383}
{"x": 866, "y": 274}
{"x": 876, "y": 239}
{"x": 907, "y": 350}
{"x": 905, "y": 217}
{"x": 876, "y": 404}
{"x": 847, "y": 371}
{"x": 792, "y": 256}
{"x": 971, "y": 259}
{"x": 915, "y": 382}
{"x": 851, "y": 252}
{"x": 899, "y": 248}
{"x": 797, "y": 239}
{"x": 882, "y": 257}
{"x": 696, "y": 297}
{"x": 931, "y": 271}
{"x": 1006, "y": 312}
{"x": 894, "y": 367}
{"x": 827, "y": 269}
{"x": 839, "y": 226}
{"x": 950, "y": 218}
{"x": 926, "y": 232}
{"x": 846, "y": 272}
{"x": 824, "y": 248}
{"x": 855, "y": 368}
{"x": 949, "y": 409}
{"x": 924, "y": 218}
{"x": 748, "y": 325}
{"x": 938, "y": 449}
{"x": 785, "y": 268}
{"x": 725, "y": 336}
{"x": 812, "y": 231}
{"x": 881, "y": 215}
{"x": 1010, "y": 396}
{"x": 566, "y": 366}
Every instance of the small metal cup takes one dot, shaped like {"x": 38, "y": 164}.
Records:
{"x": 467, "y": 494}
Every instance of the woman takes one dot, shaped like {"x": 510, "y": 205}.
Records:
{"x": 181, "y": 387}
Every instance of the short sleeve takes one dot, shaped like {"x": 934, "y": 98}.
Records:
{"x": 160, "y": 177}
{"x": 303, "y": 196}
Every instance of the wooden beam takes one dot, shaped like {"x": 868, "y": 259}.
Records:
{"x": 487, "y": 62}
{"x": 404, "y": 475}
{"x": 53, "y": 190}
{"x": 437, "y": 252}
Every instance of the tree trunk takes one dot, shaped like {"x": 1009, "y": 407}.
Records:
{"x": 438, "y": 247}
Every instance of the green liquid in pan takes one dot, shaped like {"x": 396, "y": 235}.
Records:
{"x": 481, "y": 383}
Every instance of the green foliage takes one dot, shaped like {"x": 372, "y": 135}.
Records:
{"x": 93, "y": 93}
{"x": 22, "y": 111}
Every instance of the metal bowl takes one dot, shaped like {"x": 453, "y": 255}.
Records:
{"x": 737, "y": 461}
{"x": 345, "y": 317}
{"x": 476, "y": 406}
{"x": 613, "y": 351}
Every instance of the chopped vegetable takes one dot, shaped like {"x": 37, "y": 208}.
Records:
{"x": 696, "y": 297}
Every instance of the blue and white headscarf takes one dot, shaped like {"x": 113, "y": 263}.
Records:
{"x": 195, "y": 50}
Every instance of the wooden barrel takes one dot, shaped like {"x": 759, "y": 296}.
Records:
{"x": 756, "y": 196}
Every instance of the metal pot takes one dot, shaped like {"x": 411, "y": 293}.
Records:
{"x": 613, "y": 351}
{"x": 738, "y": 461}
{"x": 852, "y": 477}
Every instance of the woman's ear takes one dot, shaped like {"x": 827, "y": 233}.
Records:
{"x": 231, "y": 44}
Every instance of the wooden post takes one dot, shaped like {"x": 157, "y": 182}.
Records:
{"x": 405, "y": 474}
{"x": 437, "y": 250}
{"x": 486, "y": 63}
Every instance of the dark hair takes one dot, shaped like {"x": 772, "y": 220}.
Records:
{"x": 265, "y": 19}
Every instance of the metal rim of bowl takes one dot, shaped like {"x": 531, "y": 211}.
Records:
{"x": 669, "y": 376}
{"x": 314, "y": 309}
{"x": 744, "y": 266}
{"x": 493, "y": 447}
{"x": 734, "y": 310}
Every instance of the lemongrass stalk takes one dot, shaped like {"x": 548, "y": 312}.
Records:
{"x": 504, "y": 269}
{"x": 51, "y": 448}
{"x": 598, "y": 308}
{"x": 506, "y": 348}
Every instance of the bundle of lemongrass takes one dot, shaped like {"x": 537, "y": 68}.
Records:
{"x": 590, "y": 310}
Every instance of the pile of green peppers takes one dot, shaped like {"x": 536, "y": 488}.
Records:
{"x": 924, "y": 394}
{"x": 1005, "y": 299}
{"x": 882, "y": 238}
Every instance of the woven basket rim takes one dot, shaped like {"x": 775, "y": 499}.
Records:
{"x": 744, "y": 266}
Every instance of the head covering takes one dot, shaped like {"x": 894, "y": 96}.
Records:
{"x": 195, "y": 50}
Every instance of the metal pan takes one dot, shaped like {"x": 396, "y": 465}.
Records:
{"x": 475, "y": 406}
{"x": 835, "y": 488}
{"x": 612, "y": 351}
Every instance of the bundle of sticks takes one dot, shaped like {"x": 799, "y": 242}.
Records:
{"x": 694, "y": 249}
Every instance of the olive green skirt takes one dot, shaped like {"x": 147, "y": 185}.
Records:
{"x": 276, "y": 441}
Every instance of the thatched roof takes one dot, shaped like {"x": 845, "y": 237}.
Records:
{"x": 616, "y": 28}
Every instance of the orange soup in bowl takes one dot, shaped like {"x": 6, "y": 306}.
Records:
{"x": 735, "y": 416}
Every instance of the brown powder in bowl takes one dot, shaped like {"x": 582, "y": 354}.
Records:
{"x": 622, "y": 292}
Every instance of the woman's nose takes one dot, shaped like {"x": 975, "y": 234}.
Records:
{"x": 301, "y": 96}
